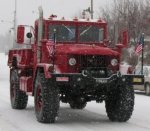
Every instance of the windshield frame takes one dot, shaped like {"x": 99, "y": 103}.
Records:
{"x": 65, "y": 26}
{"x": 85, "y": 33}
{"x": 77, "y": 24}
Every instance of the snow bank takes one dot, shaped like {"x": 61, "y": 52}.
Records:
{"x": 4, "y": 69}
{"x": 92, "y": 118}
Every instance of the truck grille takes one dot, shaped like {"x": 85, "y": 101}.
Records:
{"x": 92, "y": 61}
{"x": 96, "y": 66}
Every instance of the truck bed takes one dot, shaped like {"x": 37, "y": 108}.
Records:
{"x": 24, "y": 57}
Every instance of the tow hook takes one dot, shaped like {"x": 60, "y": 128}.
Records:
{"x": 84, "y": 73}
{"x": 119, "y": 74}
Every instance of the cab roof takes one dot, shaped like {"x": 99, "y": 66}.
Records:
{"x": 76, "y": 20}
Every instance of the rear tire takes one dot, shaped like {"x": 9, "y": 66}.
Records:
{"x": 120, "y": 103}
{"x": 46, "y": 99}
{"x": 147, "y": 89}
{"x": 18, "y": 98}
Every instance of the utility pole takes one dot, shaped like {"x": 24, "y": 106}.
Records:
{"x": 15, "y": 21}
{"x": 92, "y": 10}
{"x": 142, "y": 42}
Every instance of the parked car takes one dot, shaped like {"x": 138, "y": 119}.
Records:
{"x": 128, "y": 69}
{"x": 146, "y": 86}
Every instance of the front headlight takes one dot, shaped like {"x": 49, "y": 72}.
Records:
{"x": 114, "y": 62}
{"x": 72, "y": 61}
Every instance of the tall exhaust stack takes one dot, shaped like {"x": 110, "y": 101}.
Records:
{"x": 40, "y": 32}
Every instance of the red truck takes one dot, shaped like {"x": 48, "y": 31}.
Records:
{"x": 69, "y": 61}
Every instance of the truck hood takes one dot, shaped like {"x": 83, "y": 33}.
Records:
{"x": 81, "y": 49}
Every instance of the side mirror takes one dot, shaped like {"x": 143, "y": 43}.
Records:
{"x": 20, "y": 34}
{"x": 125, "y": 38}
{"x": 29, "y": 35}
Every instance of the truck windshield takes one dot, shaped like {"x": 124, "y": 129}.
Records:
{"x": 91, "y": 33}
{"x": 64, "y": 33}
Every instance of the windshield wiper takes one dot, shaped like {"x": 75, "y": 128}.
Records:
{"x": 83, "y": 32}
{"x": 69, "y": 30}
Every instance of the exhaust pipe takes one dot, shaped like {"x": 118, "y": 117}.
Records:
{"x": 40, "y": 31}
{"x": 40, "y": 25}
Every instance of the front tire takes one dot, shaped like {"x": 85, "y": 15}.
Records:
{"x": 46, "y": 99}
{"x": 18, "y": 98}
{"x": 120, "y": 103}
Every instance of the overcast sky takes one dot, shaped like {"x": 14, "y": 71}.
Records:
{"x": 25, "y": 8}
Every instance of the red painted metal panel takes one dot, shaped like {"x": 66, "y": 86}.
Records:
{"x": 46, "y": 69}
{"x": 24, "y": 58}
{"x": 20, "y": 34}
{"x": 26, "y": 84}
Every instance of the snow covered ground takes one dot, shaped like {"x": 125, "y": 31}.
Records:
{"x": 92, "y": 118}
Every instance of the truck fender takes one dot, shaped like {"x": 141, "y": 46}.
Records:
{"x": 15, "y": 60}
{"x": 45, "y": 68}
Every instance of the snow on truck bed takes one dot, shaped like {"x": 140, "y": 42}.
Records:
{"x": 92, "y": 118}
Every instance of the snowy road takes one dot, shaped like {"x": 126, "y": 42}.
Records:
{"x": 92, "y": 118}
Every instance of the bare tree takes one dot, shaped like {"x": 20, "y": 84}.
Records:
{"x": 133, "y": 15}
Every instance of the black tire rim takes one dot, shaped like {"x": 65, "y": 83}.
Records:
{"x": 38, "y": 99}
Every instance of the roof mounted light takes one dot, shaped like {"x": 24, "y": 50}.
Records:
{"x": 88, "y": 19}
{"x": 52, "y": 16}
{"x": 63, "y": 18}
{"x": 99, "y": 20}
{"x": 75, "y": 19}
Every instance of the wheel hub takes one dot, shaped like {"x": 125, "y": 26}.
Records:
{"x": 39, "y": 100}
